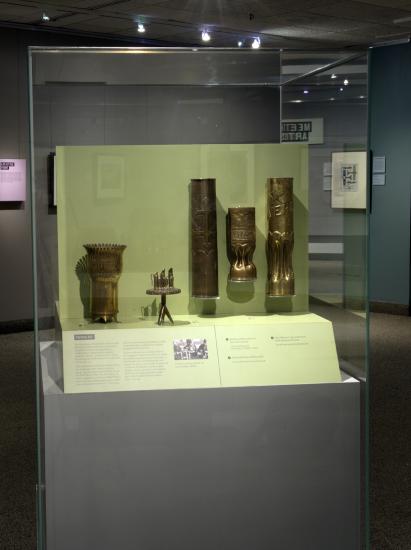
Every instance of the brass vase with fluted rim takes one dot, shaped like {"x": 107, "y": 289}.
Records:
{"x": 104, "y": 266}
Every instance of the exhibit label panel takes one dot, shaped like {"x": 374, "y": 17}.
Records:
{"x": 223, "y": 352}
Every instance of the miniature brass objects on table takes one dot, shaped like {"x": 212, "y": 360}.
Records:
{"x": 163, "y": 285}
{"x": 241, "y": 236}
{"x": 104, "y": 266}
{"x": 280, "y": 241}
{"x": 204, "y": 255}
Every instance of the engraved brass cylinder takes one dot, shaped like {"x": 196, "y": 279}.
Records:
{"x": 104, "y": 266}
{"x": 280, "y": 241}
{"x": 242, "y": 237}
{"x": 204, "y": 254}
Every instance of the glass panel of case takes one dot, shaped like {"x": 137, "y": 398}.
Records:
{"x": 199, "y": 227}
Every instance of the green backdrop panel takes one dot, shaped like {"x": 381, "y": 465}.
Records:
{"x": 139, "y": 196}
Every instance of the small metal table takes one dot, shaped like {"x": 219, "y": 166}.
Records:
{"x": 163, "y": 292}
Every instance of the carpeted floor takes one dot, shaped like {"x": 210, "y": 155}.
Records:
{"x": 390, "y": 490}
{"x": 390, "y": 425}
{"x": 17, "y": 442}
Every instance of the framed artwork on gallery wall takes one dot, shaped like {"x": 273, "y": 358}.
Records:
{"x": 349, "y": 180}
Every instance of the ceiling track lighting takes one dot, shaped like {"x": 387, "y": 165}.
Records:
{"x": 45, "y": 17}
{"x": 205, "y": 36}
{"x": 141, "y": 28}
{"x": 346, "y": 82}
{"x": 256, "y": 43}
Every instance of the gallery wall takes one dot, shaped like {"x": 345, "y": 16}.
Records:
{"x": 16, "y": 302}
{"x": 390, "y": 136}
{"x": 390, "y": 83}
{"x": 345, "y": 125}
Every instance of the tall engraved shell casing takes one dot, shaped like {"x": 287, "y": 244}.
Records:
{"x": 104, "y": 266}
{"x": 204, "y": 255}
{"x": 280, "y": 241}
{"x": 241, "y": 246}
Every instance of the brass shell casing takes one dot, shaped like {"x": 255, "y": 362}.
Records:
{"x": 204, "y": 253}
{"x": 104, "y": 266}
{"x": 241, "y": 246}
{"x": 280, "y": 240}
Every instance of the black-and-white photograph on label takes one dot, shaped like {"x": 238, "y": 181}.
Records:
{"x": 349, "y": 180}
{"x": 188, "y": 349}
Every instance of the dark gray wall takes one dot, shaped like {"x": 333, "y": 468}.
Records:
{"x": 345, "y": 128}
{"x": 15, "y": 219}
{"x": 390, "y": 135}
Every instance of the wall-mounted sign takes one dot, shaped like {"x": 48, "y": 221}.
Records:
{"x": 12, "y": 180}
{"x": 303, "y": 130}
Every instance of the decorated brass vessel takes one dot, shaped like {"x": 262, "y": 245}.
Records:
{"x": 204, "y": 256}
{"x": 280, "y": 241}
{"x": 241, "y": 244}
{"x": 104, "y": 266}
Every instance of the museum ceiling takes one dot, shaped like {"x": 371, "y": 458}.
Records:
{"x": 308, "y": 24}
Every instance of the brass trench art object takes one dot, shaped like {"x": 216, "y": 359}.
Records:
{"x": 241, "y": 244}
{"x": 280, "y": 241}
{"x": 163, "y": 285}
{"x": 204, "y": 254}
{"x": 104, "y": 267}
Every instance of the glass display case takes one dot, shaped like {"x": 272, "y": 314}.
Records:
{"x": 200, "y": 251}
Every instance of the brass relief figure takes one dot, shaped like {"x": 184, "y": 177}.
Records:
{"x": 163, "y": 285}
{"x": 104, "y": 266}
{"x": 241, "y": 245}
{"x": 204, "y": 239}
{"x": 280, "y": 241}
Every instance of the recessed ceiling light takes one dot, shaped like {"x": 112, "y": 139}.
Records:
{"x": 341, "y": 89}
{"x": 141, "y": 27}
{"x": 256, "y": 43}
{"x": 346, "y": 82}
{"x": 239, "y": 43}
{"x": 332, "y": 98}
{"x": 306, "y": 92}
{"x": 205, "y": 36}
{"x": 361, "y": 97}
{"x": 45, "y": 17}
{"x": 333, "y": 76}
{"x": 296, "y": 101}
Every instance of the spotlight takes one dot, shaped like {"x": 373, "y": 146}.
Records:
{"x": 45, "y": 17}
{"x": 333, "y": 76}
{"x": 141, "y": 27}
{"x": 239, "y": 43}
{"x": 346, "y": 82}
{"x": 306, "y": 92}
{"x": 341, "y": 89}
{"x": 296, "y": 101}
{"x": 205, "y": 36}
{"x": 361, "y": 97}
{"x": 256, "y": 43}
